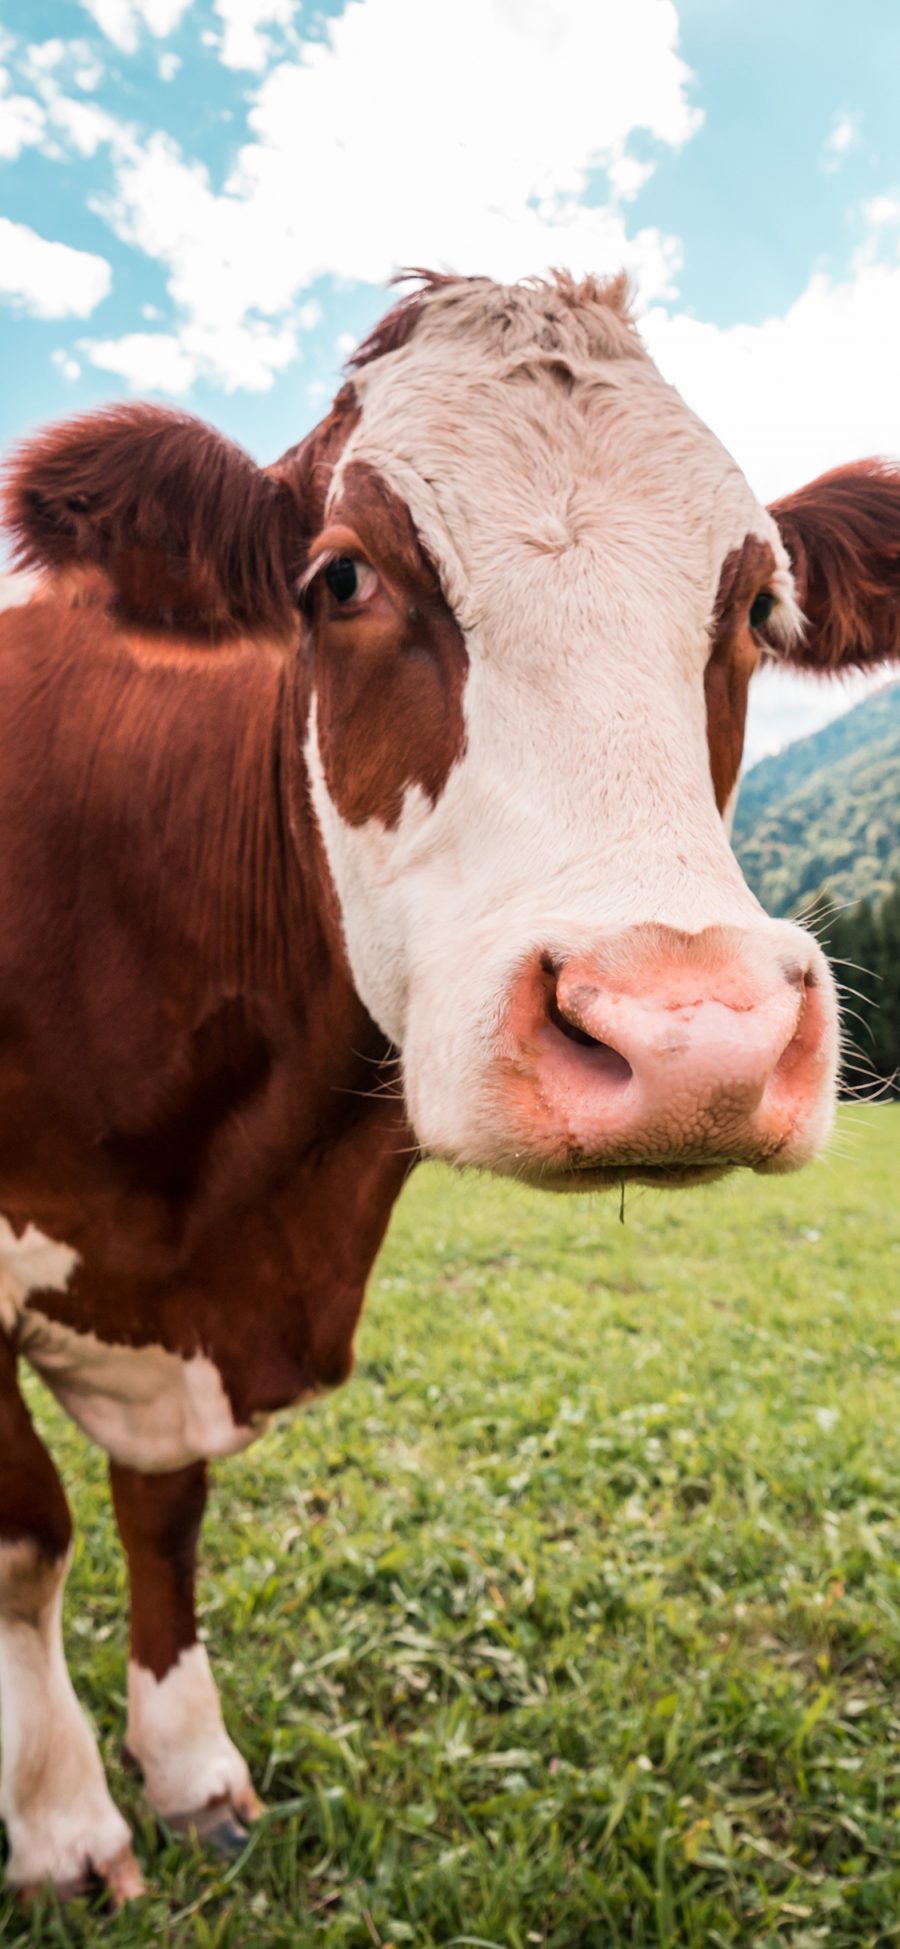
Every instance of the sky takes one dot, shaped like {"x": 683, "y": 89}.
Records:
{"x": 202, "y": 201}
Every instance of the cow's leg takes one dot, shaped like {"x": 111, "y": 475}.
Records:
{"x": 194, "y": 1776}
{"x": 62, "y": 1823}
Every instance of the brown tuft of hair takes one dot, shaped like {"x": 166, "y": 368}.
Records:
{"x": 842, "y": 533}
{"x": 396, "y": 328}
{"x": 191, "y": 535}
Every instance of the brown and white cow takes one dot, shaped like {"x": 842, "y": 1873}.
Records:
{"x": 406, "y": 760}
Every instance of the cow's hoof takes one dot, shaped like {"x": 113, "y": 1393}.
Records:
{"x": 121, "y": 1879}
{"x": 222, "y": 1824}
{"x": 116, "y": 1881}
{"x": 229, "y": 1837}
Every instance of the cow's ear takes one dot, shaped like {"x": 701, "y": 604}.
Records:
{"x": 842, "y": 533}
{"x": 191, "y": 537}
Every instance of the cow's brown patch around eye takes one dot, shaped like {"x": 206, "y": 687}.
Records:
{"x": 389, "y": 676}
{"x": 733, "y": 658}
{"x": 306, "y": 469}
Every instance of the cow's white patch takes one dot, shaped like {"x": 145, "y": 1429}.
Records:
{"x": 60, "y": 1817}
{"x": 148, "y": 1408}
{"x": 17, "y": 588}
{"x": 175, "y": 1732}
{"x": 30, "y": 1262}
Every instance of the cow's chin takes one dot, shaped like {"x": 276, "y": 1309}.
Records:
{"x": 553, "y": 1161}
{"x": 564, "y": 1175}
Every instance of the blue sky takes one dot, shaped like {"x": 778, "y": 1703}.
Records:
{"x": 202, "y": 199}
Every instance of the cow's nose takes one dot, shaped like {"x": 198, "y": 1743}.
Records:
{"x": 668, "y": 1044}
{"x": 668, "y": 1049}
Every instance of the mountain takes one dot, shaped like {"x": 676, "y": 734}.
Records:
{"x": 825, "y": 811}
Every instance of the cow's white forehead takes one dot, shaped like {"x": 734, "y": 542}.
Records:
{"x": 526, "y": 424}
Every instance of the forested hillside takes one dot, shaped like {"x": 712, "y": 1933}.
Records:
{"x": 818, "y": 826}
{"x": 825, "y": 811}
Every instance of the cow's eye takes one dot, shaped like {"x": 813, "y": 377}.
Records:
{"x": 350, "y": 580}
{"x": 761, "y": 609}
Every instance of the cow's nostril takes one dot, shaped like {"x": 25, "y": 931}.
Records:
{"x": 797, "y": 976}
{"x": 570, "y": 1029}
{"x": 601, "y": 1055}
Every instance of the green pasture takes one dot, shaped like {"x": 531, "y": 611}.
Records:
{"x": 575, "y": 1619}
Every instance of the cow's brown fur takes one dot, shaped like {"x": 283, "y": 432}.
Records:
{"x": 33, "y": 1507}
{"x": 734, "y": 655}
{"x": 159, "y": 1520}
{"x": 305, "y": 470}
{"x": 389, "y": 680}
{"x": 188, "y": 1106}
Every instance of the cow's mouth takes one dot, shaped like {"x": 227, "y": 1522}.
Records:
{"x": 587, "y": 1175}
{"x": 580, "y": 1173}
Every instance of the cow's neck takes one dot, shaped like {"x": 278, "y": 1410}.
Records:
{"x": 233, "y": 888}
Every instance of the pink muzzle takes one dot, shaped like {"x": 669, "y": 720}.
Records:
{"x": 675, "y": 1052}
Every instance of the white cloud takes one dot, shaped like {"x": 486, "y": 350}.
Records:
{"x": 785, "y": 705}
{"x": 89, "y": 74}
{"x": 246, "y": 356}
{"x": 122, "y": 20}
{"x": 882, "y": 211}
{"x": 436, "y": 164}
{"x": 842, "y": 137}
{"x": 46, "y": 279}
{"x": 46, "y": 54}
{"x": 792, "y": 397}
{"x": 118, "y": 20}
{"x": 45, "y": 58}
{"x": 16, "y": 587}
{"x": 627, "y": 176}
{"x": 65, "y": 364}
{"x": 309, "y": 315}
{"x": 22, "y": 122}
{"x": 167, "y": 66}
{"x": 244, "y": 45}
{"x": 48, "y": 115}
{"x": 150, "y": 361}
{"x": 799, "y": 393}
{"x": 84, "y": 124}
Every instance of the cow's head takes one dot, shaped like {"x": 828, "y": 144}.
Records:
{"x": 533, "y": 590}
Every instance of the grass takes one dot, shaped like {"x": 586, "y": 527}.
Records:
{"x": 575, "y": 1619}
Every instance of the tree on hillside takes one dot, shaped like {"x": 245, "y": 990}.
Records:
{"x": 864, "y": 944}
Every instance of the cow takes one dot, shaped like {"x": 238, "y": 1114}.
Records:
{"x": 369, "y": 805}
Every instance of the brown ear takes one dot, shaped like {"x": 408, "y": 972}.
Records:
{"x": 842, "y": 533}
{"x": 191, "y": 535}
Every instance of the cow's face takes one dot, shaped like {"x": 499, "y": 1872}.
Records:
{"x": 536, "y": 599}
{"x": 534, "y": 589}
